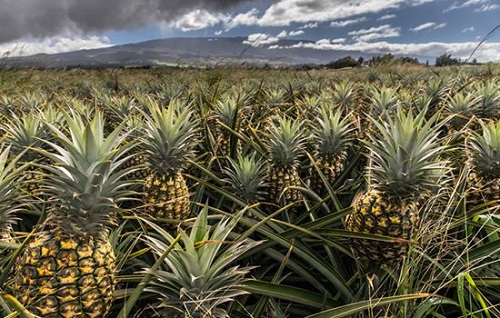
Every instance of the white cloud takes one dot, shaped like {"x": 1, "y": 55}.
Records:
{"x": 466, "y": 4}
{"x": 311, "y": 25}
{"x": 284, "y": 12}
{"x": 486, "y": 52}
{"x": 341, "y": 24}
{"x": 246, "y": 18}
{"x": 387, "y": 17}
{"x": 338, "y": 40}
{"x": 53, "y": 45}
{"x": 296, "y": 33}
{"x": 197, "y": 19}
{"x": 423, "y": 26}
{"x": 488, "y": 7}
{"x": 428, "y": 25}
{"x": 469, "y": 29}
{"x": 282, "y": 34}
{"x": 259, "y": 39}
{"x": 440, "y": 26}
{"x": 382, "y": 31}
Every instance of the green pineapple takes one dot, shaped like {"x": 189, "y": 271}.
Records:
{"x": 332, "y": 138}
{"x": 68, "y": 268}
{"x": 404, "y": 167}
{"x": 228, "y": 117}
{"x": 25, "y": 133}
{"x": 285, "y": 144}
{"x": 169, "y": 140}
{"x": 198, "y": 278}
{"x": 484, "y": 177}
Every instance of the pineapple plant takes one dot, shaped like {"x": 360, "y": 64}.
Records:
{"x": 68, "y": 267}
{"x": 168, "y": 142}
{"x": 25, "y": 133}
{"x": 197, "y": 278}
{"x": 227, "y": 116}
{"x": 245, "y": 178}
{"x": 484, "y": 164}
{"x": 285, "y": 144}
{"x": 10, "y": 175}
{"x": 404, "y": 168}
{"x": 332, "y": 138}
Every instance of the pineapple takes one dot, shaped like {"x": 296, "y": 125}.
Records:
{"x": 484, "y": 177}
{"x": 198, "y": 277}
{"x": 246, "y": 180}
{"x": 404, "y": 167}
{"x": 168, "y": 143}
{"x": 227, "y": 115}
{"x": 285, "y": 145}
{"x": 68, "y": 268}
{"x": 331, "y": 134}
{"x": 24, "y": 133}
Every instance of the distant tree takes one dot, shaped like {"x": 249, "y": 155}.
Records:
{"x": 347, "y": 61}
{"x": 446, "y": 60}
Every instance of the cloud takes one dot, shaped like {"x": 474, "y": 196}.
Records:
{"x": 260, "y": 39}
{"x": 311, "y": 25}
{"x": 383, "y": 31}
{"x": 296, "y": 33}
{"x": 52, "y": 45}
{"x": 486, "y": 52}
{"x": 469, "y": 29}
{"x": 282, "y": 34}
{"x": 427, "y": 26}
{"x": 387, "y": 17}
{"x": 341, "y": 24}
{"x": 40, "y": 19}
{"x": 284, "y": 12}
{"x": 198, "y": 19}
{"x": 488, "y": 7}
{"x": 468, "y": 3}
{"x": 246, "y": 18}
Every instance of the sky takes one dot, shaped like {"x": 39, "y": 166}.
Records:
{"x": 401, "y": 27}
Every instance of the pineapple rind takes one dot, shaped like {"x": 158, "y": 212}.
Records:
{"x": 64, "y": 275}
{"x": 376, "y": 214}
{"x": 167, "y": 196}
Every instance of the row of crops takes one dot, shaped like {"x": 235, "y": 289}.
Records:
{"x": 240, "y": 193}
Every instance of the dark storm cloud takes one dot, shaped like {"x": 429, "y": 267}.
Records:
{"x": 40, "y": 18}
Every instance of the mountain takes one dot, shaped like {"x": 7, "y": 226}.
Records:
{"x": 185, "y": 51}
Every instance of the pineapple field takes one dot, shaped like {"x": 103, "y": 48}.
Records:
{"x": 370, "y": 192}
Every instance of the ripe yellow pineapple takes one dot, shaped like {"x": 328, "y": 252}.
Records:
{"x": 68, "y": 268}
{"x": 404, "y": 166}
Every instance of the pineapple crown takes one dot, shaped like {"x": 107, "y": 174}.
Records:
{"x": 227, "y": 111}
{"x": 9, "y": 175}
{"x": 405, "y": 154}
{"x": 169, "y": 135}
{"x": 246, "y": 177}
{"x": 489, "y": 102}
{"x": 384, "y": 100}
{"x": 332, "y": 132}
{"x": 24, "y": 132}
{"x": 485, "y": 149}
{"x": 87, "y": 180}
{"x": 197, "y": 277}
{"x": 286, "y": 141}
{"x": 344, "y": 93}
{"x": 462, "y": 107}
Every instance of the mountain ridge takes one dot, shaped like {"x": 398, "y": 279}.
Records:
{"x": 179, "y": 52}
